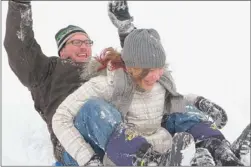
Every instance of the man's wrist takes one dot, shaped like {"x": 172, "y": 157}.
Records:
{"x": 22, "y": 1}
{"x": 126, "y": 28}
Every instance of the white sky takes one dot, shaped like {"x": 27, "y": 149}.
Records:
{"x": 207, "y": 45}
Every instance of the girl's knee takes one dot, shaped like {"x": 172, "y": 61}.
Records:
{"x": 100, "y": 109}
{"x": 205, "y": 130}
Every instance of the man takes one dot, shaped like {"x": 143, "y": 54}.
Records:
{"x": 50, "y": 79}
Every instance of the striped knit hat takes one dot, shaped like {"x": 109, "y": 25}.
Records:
{"x": 64, "y": 34}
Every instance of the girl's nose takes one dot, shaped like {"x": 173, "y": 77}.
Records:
{"x": 156, "y": 75}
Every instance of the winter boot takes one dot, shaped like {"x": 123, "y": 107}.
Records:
{"x": 221, "y": 152}
{"x": 183, "y": 150}
{"x": 146, "y": 156}
{"x": 95, "y": 161}
{"x": 202, "y": 158}
{"x": 241, "y": 146}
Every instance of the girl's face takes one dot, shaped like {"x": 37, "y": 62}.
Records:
{"x": 146, "y": 78}
{"x": 151, "y": 78}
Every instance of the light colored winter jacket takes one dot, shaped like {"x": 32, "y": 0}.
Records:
{"x": 145, "y": 111}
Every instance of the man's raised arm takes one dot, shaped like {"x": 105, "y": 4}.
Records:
{"x": 24, "y": 53}
{"x": 120, "y": 17}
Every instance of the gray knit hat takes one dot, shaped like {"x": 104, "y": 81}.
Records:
{"x": 143, "y": 49}
{"x": 63, "y": 35}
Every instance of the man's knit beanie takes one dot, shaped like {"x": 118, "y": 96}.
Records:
{"x": 65, "y": 33}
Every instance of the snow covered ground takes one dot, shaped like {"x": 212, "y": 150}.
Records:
{"x": 207, "y": 45}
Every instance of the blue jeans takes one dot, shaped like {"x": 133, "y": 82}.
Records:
{"x": 95, "y": 121}
{"x": 182, "y": 122}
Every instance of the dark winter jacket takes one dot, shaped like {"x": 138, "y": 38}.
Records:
{"x": 49, "y": 79}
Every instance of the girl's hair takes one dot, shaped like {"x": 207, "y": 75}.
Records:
{"x": 138, "y": 73}
{"x": 112, "y": 55}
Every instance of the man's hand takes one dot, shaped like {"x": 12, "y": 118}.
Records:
{"x": 22, "y": 1}
{"x": 120, "y": 16}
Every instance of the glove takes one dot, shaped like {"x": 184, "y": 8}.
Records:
{"x": 22, "y": 5}
{"x": 120, "y": 16}
{"x": 22, "y": 1}
{"x": 217, "y": 113}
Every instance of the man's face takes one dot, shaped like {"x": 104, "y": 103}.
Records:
{"x": 77, "y": 48}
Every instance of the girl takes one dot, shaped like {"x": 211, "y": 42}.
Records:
{"x": 141, "y": 90}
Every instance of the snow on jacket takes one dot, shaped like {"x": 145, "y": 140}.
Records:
{"x": 49, "y": 79}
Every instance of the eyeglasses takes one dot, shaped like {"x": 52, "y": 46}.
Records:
{"x": 79, "y": 43}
